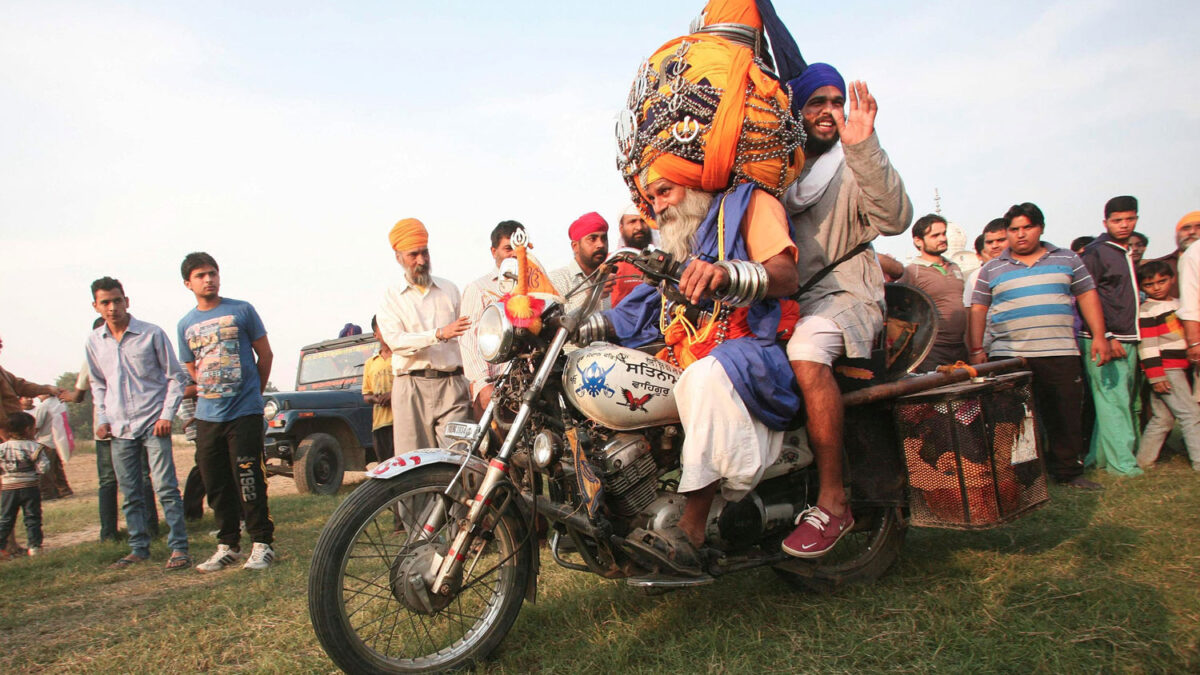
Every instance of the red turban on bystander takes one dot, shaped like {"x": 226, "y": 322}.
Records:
{"x": 588, "y": 223}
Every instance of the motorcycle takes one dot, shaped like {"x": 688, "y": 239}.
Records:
{"x": 425, "y": 566}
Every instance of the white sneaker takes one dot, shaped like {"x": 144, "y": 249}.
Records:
{"x": 224, "y": 557}
{"x": 34, "y": 551}
{"x": 261, "y": 557}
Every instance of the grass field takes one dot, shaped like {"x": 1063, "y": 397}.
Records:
{"x": 1094, "y": 582}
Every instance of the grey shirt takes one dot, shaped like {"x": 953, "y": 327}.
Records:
{"x": 135, "y": 382}
{"x": 865, "y": 198}
{"x": 568, "y": 277}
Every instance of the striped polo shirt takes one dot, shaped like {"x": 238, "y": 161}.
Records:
{"x": 1031, "y": 310}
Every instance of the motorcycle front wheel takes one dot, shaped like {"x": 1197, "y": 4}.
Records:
{"x": 363, "y": 596}
{"x": 863, "y": 555}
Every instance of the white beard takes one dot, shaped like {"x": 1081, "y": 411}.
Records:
{"x": 677, "y": 224}
{"x": 423, "y": 278}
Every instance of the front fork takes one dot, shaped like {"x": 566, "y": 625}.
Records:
{"x": 446, "y": 569}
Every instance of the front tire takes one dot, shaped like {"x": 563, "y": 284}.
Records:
{"x": 358, "y": 610}
{"x": 863, "y": 555}
{"x": 319, "y": 466}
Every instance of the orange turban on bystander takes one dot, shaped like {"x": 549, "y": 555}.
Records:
{"x": 408, "y": 235}
{"x": 1190, "y": 219}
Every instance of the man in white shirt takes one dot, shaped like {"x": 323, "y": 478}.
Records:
{"x": 1188, "y": 279}
{"x": 476, "y": 296}
{"x": 419, "y": 319}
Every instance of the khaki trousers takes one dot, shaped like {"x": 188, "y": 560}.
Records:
{"x": 422, "y": 406}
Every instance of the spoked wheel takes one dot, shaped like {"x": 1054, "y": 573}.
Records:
{"x": 864, "y": 554}
{"x": 368, "y": 587}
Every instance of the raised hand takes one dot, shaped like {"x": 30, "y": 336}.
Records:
{"x": 857, "y": 125}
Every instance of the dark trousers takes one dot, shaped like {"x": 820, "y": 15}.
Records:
{"x": 28, "y": 500}
{"x": 54, "y": 482}
{"x": 1058, "y": 393}
{"x": 230, "y": 457}
{"x": 107, "y": 493}
{"x": 385, "y": 443}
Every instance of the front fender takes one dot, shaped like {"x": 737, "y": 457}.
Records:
{"x": 408, "y": 461}
{"x": 416, "y": 459}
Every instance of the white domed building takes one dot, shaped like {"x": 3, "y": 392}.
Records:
{"x": 959, "y": 250}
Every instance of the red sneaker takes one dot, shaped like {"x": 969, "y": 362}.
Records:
{"x": 819, "y": 530}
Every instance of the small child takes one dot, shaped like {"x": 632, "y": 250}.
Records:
{"x": 1163, "y": 354}
{"x": 22, "y": 462}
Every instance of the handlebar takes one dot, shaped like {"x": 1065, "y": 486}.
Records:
{"x": 655, "y": 263}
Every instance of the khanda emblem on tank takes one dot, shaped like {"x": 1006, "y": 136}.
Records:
{"x": 594, "y": 381}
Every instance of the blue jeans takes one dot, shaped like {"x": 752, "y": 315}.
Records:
{"x": 29, "y": 501}
{"x": 127, "y": 461}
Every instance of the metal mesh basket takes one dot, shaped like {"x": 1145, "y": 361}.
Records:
{"x": 973, "y": 453}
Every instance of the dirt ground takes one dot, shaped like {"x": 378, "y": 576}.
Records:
{"x": 81, "y": 474}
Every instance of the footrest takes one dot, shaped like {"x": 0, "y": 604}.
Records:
{"x": 667, "y": 581}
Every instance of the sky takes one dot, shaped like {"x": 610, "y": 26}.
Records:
{"x": 285, "y": 138}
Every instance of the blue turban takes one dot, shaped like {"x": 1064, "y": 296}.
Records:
{"x": 814, "y": 77}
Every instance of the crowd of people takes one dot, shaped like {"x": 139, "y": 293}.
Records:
{"x": 1105, "y": 332}
{"x": 1081, "y": 318}
{"x": 138, "y": 386}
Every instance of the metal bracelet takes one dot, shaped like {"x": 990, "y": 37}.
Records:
{"x": 748, "y": 282}
{"x": 595, "y": 328}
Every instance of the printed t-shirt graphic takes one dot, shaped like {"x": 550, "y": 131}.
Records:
{"x": 219, "y": 341}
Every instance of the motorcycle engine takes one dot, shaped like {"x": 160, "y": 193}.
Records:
{"x": 629, "y": 473}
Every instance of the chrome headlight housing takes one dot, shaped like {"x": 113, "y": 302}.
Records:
{"x": 546, "y": 448}
{"x": 494, "y": 334}
{"x": 270, "y": 408}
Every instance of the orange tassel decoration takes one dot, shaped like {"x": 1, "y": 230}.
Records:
{"x": 524, "y": 311}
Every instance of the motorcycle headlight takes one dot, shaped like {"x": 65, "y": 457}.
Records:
{"x": 270, "y": 408}
{"x": 494, "y": 334}
{"x": 545, "y": 449}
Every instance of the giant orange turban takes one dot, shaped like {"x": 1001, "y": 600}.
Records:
{"x": 702, "y": 112}
{"x": 1190, "y": 219}
{"x": 408, "y": 235}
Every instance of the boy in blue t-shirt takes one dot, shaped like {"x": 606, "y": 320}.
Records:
{"x": 218, "y": 342}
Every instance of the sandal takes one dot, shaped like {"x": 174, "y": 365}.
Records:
{"x": 131, "y": 559}
{"x": 669, "y": 547}
{"x": 178, "y": 561}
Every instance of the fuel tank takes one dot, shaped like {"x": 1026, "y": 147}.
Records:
{"x": 621, "y": 388}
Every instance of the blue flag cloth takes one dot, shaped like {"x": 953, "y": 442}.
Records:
{"x": 756, "y": 364}
{"x": 788, "y": 61}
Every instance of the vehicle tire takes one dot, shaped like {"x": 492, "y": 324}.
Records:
{"x": 319, "y": 465}
{"x": 355, "y": 597}
{"x": 863, "y": 555}
{"x": 193, "y": 495}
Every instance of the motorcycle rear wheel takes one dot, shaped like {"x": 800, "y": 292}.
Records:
{"x": 363, "y": 621}
{"x": 863, "y": 555}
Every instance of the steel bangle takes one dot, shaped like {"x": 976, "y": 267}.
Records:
{"x": 748, "y": 282}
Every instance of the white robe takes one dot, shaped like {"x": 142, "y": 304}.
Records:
{"x": 722, "y": 441}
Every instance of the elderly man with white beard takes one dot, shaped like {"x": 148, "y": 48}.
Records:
{"x": 735, "y": 396}
{"x": 420, "y": 320}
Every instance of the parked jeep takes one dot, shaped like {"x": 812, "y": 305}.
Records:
{"x": 323, "y": 428}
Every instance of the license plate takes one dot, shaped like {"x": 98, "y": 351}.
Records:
{"x": 462, "y": 431}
